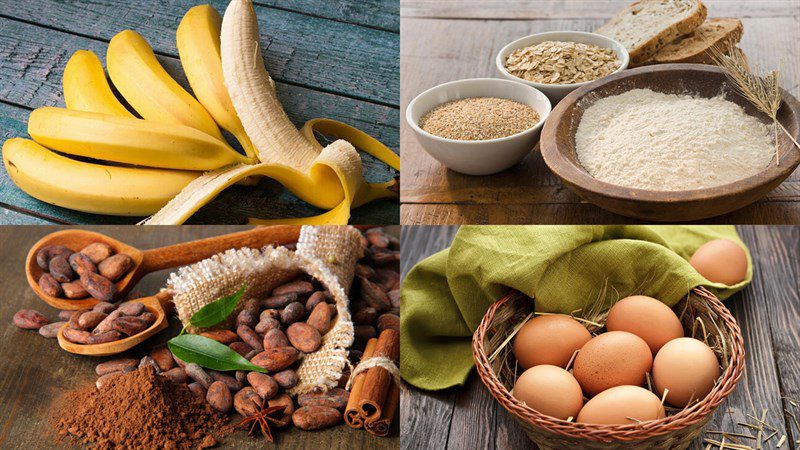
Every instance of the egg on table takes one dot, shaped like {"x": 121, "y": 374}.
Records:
{"x": 646, "y": 317}
{"x": 549, "y": 390}
{"x": 549, "y": 339}
{"x": 612, "y": 359}
{"x": 720, "y": 261}
{"x": 688, "y": 368}
{"x": 622, "y": 405}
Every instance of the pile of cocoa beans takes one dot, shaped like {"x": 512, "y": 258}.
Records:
{"x": 77, "y": 275}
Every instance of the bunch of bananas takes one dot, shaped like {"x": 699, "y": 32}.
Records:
{"x": 155, "y": 164}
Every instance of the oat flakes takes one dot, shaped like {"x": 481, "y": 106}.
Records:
{"x": 558, "y": 62}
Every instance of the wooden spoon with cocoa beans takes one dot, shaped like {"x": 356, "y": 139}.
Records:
{"x": 49, "y": 256}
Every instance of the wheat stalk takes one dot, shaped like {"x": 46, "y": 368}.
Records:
{"x": 763, "y": 91}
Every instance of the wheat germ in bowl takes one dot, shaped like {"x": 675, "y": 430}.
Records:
{"x": 479, "y": 119}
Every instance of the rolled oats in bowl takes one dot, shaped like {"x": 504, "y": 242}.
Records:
{"x": 560, "y": 62}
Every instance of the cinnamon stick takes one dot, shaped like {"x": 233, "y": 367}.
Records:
{"x": 352, "y": 414}
{"x": 381, "y": 426}
{"x": 379, "y": 381}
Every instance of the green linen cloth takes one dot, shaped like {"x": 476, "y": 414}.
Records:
{"x": 445, "y": 296}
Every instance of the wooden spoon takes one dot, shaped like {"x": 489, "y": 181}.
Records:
{"x": 160, "y": 305}
{"x": 148, "y": 261}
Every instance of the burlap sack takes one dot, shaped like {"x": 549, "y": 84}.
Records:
{"x": 327, "y": 253}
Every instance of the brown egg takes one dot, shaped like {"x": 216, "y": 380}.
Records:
{"x": 647, "y": 318}
{"x": 688, "y": 368}
{"x": 550, "y": 339}
{"x": 619, "y": 405}
{"x": 612, "y": 359}
{"x": 720, "y": 261}
{"x": 550, "y": 390}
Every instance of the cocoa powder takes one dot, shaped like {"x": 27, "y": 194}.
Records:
{"x": 138, "y": 410}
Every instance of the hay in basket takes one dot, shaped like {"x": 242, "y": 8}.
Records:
{"x": 326, "y": 253}
{"x": 703, "y": 316}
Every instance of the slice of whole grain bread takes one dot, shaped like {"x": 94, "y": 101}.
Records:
{"x": 645, "y": 27}
{"x": 695, "y": 47}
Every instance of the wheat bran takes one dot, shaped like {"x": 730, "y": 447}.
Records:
{"x": 478, "y": 119}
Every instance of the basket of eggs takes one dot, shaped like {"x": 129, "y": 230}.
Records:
{"x": 638, "y": 375}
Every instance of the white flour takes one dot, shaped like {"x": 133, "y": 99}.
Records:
{"x": 666, "y": 142}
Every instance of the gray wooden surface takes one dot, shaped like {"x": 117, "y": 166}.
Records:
{"x": 768, "y": 311}
{"x": 445, "y": 41}
{"x": 34, "y": 370}
{"x": 329, "y": 59}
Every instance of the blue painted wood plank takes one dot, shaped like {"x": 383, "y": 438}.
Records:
{"x": 299, "y": 49}
{"x": 11, "y": 217}
{"x": 382, "y": 14}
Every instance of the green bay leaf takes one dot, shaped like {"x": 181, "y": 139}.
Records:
{"x": 209, "y": 353}
{"x": 216, "y": 311}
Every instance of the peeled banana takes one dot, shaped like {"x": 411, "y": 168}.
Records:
{"x": 86, "y": 87}
{"x": 129, "y": 140}
{"x": 87, "y": 187}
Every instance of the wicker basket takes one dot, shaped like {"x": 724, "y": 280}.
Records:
{"x": 676, "y": 431}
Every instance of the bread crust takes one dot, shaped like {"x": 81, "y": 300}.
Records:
{"x": 702, "y": 56}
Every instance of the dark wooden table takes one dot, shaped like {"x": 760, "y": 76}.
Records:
{"x": 329, "y": 59}
{"x": 34, "y": 370}
{"x": 446, "y": 41}
{"x": 768, "y": 311}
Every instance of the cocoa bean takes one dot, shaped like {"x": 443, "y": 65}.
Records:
{"x": 105, "y": 380}
{"x": 267, "y": 324}
{"x": 275, "y": 338}
{"x": 50, "y": 330}
{"x": 131, "y": 308}
{"x": 75, "y": 319}
{"x": 278, "y": 301}
{"x": 29, "y": 319}
{"x": 275, "y": 359}
{"x": 97, "y": 251}
{"x": 49, "y": 285}
{"x": 176, "y": 375}
{"x": 270, "y": 314}
{"x": 249, "y": 337}
{"x": 383, "y": 257}
{"x": 304, "y": 337}
{"x": 90, "y": 319}
{"x": 60, "y": 269}
{"x": 247, "y": 317}
{"x": 394, "y": 243}
{"x": 102, "y": 338}
{"x": 222, "y": 336}
{"x": 316, "y": 417}
{"x": 147, "y": 360}
{"x": 129, "y": 325}
{"x": 76, "y": 336}
{"x": 179, "y": 362}
{"x": 374, "y": 295}
{"x": 246, "y": 402}
{"x": 49, "y": 252}
{"x": 65, "y": 315}
{"x": 104, "y": 307}
{"x": 294, "y": 312}
{"x": 240, "y": 347}
{"x": 377, "y": 237}
{"x": 105, "y": 325}
{"x": 388, "y": 322}
{"x": 364, "y": 271}
{"x": 232, "y": 383}
{"x": 285, "y": 401}
{"x": 265, "y": 385}
{"x": 116, "y": 365}
{"x": 395, "y": 311}
{"x": 316, "y": 298}
{"x": 81, "y": 264}
{"x": 286, "y": 379}
{"x": 320, "y": 318}
{"x": 386, "y": 279}
{"x": 198, "y": 390}
{"x": 363, "y": 333}
{"x": 98, "y": 286}
{"x": 148, "y": 317}
{"x": 74, "y": 290}
{"x": 241, "y": 376}
{"x": 219, "y": 397}
{"x": 295, "y": 287}
{"x": 115, "y": 266}
{"x": 394, "y": 298}
{"x": 365, "y": 316}
{"x": 198, "y": 374}
{"x": 333, "y": 398}
{"x": 250, "y": 354}
{"x": 163, "y": 357}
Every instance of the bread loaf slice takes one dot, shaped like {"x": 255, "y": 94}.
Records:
{"x": 696, "y": 46}
{"x": 647, "y": 26}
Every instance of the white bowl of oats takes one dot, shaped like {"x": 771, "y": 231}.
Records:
{"x": 558, "y": 62}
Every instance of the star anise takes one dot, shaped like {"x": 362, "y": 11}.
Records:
{"x": 262, "y": 418}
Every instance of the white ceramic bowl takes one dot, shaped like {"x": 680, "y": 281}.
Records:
{"x": 555, "y": 92}
{"x": 478, "y": 157}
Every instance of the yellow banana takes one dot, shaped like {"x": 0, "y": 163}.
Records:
{"x": 87, "y": 187}
{"x": 129, "y": 140}
{"x": 149, "y": 89}
{"x": 199, "y": 49}
{"x": 86, "y": 87}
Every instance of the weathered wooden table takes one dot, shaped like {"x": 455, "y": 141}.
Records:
{"x": 768, "y": 311}
{"x": 329, "y": 59}
{"x": 445, "y": 41}
{"x": 34, "y": 370}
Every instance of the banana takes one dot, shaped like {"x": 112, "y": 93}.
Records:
{"x": 199, "y": 50}
{"x": 86, "y": 87}
{"x": 129, "y": 140}
{"x": 149, "y": 89}
{"x": 87, "y": 187}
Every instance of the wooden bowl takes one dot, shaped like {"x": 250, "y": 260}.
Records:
{"x": 558, "y": 146}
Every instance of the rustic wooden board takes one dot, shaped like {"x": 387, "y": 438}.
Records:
{"x": 768, "y": 311}
{"x": 442, "y": 42}
{"x": 371, "y": 13}
{"x": 35, "y": 370}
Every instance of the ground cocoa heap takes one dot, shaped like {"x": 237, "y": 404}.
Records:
{"x": 138, "y": 410}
